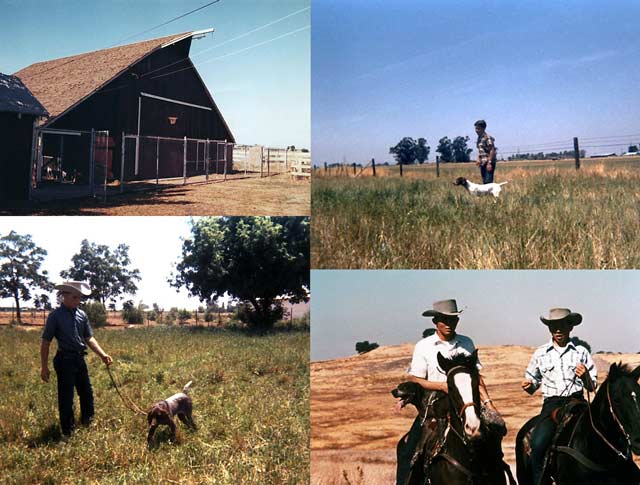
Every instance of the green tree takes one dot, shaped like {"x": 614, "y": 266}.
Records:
{"x": 365, "y": 346}
{"x": 183, "y": 316}
{"x": 445, "y": 149}
{"x": 20, "y": 272}
{"x": 405, "y": 151}
{"x": 253, "y": 259}
{"x": 578, "y": 341}
{"x": 106, "y": 270}
{"x": 460, "y": 150}
{"x": 422, "y": 150}
{"x": 96, "y": 313}
{"x": 633, "y": 148}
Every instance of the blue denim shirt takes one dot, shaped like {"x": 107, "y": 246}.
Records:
{"x": 69, "y": 327}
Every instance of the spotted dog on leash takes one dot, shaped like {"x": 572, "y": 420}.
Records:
{"x": 163, "y": 412}
{"x": 480, "y": 189}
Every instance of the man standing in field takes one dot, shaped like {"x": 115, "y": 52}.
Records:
{"x": 70, "y": 326}
{"x": 563, "y": 370}
{"x": 486, "y": 152}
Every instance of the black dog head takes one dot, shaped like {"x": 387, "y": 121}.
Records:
{"x": 409, "y": 393}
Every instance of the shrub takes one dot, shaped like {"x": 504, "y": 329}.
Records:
{"x": 365, "y": 346}
{"x": 96, "y": 313}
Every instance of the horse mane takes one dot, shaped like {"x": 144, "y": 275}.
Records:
{"x": 618, "y": 369}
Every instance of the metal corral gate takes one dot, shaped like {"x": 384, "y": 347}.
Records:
{"x": 263, "y": 160}
{"x": 70, "y": 164}
{"x": 156, "y": 159}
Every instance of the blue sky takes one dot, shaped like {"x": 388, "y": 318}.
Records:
{"x": 259, "y": 81}
{"x": 539, "y": 73}
{"x": 501, "y": 307}
{"x": 155, "y": 245}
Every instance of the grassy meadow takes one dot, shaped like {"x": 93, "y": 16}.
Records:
{"x": 549, "y": 216}
{"x": 251, "y": 405}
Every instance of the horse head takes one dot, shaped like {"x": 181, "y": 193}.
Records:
{"x": 623, "y": 397}
{"x": 463, "y": 381}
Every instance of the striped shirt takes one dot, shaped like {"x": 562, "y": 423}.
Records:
{"x": 553, "y": 369}
{"x": 424, "y": 363}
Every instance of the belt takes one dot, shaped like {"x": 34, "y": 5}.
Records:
{"x": 73, "y": 352}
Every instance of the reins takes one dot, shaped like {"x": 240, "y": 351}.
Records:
{"x": 624, "y": 456}
{"x": 128, "y": 402}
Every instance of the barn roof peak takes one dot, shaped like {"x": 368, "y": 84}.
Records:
{"x": 61, "y": 83}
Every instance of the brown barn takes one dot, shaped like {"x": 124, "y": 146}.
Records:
{"x": 19, "y": 110}
{"x": 136, "y": 102}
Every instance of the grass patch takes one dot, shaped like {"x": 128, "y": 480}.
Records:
{"x": 549, "y": 216}
{"x": 251, "y": 405}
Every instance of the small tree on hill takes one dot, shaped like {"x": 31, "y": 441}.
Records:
{"x": 633, "y": 148}
{"x": 578, "y": 341}
{"x": 365, "y": 346}
{"x": 20, "y": 268}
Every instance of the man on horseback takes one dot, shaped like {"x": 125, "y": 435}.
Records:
{"x": 562, "y": 370}
{"x": 425, "y": 371}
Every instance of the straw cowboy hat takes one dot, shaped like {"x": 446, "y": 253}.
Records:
{"x": 562, "y": 315}
{"x": 448, "y": 308}
{"x": 81, "y": 287}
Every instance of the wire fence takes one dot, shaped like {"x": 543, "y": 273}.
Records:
{"x": 571, "y": 151}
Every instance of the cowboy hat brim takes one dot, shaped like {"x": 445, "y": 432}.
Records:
{"x": 435, "y": 313}
{"x": 82, "y": 290}
{"x": 572, "y": 318}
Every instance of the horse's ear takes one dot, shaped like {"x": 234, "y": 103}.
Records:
{"x": 636, "y": 373}
{"x": 614, "y": 371}
{"x": 442, "y": 362}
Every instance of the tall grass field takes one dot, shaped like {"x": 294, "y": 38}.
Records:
{"x": 250, "y": 398}
{"x": 549, "y": 216}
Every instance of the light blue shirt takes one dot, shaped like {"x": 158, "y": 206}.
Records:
{"x": 553, "y": 369}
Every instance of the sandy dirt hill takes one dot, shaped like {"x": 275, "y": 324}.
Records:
{"x": 354, "y": 429}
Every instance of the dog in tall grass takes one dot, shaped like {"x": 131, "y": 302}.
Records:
{"x": 480, "y": 189}
{"x": 163, "y": 412}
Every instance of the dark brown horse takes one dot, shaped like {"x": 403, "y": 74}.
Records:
{"x": 465, "y": 453}
{"x": 596, "y": 446}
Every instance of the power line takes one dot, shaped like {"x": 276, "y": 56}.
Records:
{"x": 167, "y": 22}
{"x": 237, "y": 52}
{"x": 262, "y": 27}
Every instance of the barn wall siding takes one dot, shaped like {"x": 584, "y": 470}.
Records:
{"x": 15, "y": 139}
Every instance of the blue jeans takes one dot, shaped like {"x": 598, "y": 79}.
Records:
{"x": 543, "y": 433}
{"x": 487, "y": 176}
{"x": 72, "y": 373}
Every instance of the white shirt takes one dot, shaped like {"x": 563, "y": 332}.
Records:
{"x": 424, "y": 363}
{"x": 554, "y": 369}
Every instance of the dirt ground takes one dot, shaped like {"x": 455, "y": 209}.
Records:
{"x": 354, "y": 429}
{"x": 269, "y": 196}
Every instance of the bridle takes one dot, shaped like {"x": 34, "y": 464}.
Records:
{"x": 625, "y": 456}
{"x": 460, "y": 414}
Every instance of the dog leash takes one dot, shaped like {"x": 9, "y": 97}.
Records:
{"x": 130, "y": 404}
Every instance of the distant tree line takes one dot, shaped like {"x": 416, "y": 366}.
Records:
{"x": 547, "y": 156}
{"x": 409, "y": 151}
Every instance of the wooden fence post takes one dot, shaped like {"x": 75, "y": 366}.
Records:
{"x": 400, "y": 169}
{"x": 576, "y": 150}
{"x": 354, "y": 168}
{"x": 437, "y": 165}
{"x": 373, "y": 165}
{"x": 325, "y": 167}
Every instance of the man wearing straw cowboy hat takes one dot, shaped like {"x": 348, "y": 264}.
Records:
{"x": 70, "y": 326}
{"x": 562, "y": 370}
{"x": 424, "y": 368}
{"x": 425, "y": 371}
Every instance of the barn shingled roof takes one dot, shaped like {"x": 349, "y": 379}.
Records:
{"x": 16, "y": 98}
{"x": 61, "y": 83}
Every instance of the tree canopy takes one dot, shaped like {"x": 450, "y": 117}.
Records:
{"x": 365, "y": 346}
{"x": 106, "y": 270}
{"x": 445, "y": 149}
{"x": 407, "y": 151}
{"x": 20, "y": 268}
{"x": 258, "y": 260}
{"x": 460, "y": 150}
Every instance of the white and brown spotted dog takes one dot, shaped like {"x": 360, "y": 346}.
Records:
{"x": 480, "y": 189}
{"x": 163, "y": 412}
